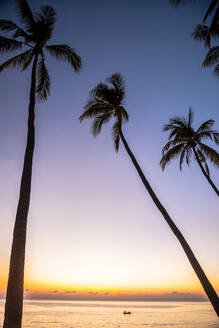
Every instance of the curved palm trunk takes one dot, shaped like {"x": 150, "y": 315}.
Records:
{"x": 14, "y": 297}
{"x": 209, "y": 290}
{"x": 205, "y": 174}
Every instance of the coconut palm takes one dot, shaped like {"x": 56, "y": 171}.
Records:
{"x": 106, "y": 102}
{"x": 213, "y": 7}
{"x": 32, "y": 39}
{"x": 185, "y": 141}
{"x": 205, "y": 33}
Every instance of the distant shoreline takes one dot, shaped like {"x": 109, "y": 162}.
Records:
{"x": 110, "y": 300}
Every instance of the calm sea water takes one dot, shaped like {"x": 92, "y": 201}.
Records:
{"x": 84, "y": 314}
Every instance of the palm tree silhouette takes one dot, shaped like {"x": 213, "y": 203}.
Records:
{"x": 106, "y": 102}
{"x": 34, "y": 36}
{"x": 213, "y": 7}
{"x": 204, "y": 33}
{"x": 185, "y": 141}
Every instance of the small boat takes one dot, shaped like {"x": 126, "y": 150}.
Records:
{"x": 126, "y": 312}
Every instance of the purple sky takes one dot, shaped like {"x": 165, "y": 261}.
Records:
{"x": 91, "y": 223}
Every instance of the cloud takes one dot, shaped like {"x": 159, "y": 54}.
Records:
{"x": 70, "y": 292}
{"x": 173, "y": 296}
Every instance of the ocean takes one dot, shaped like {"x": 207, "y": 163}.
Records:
{"x": 102, "y": 314}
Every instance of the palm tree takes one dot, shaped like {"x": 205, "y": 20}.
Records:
{"x": 204, "y": 33}
{"x": 185, "y": 141}
{"x": 34, "y": 36}
{"x": 106, "y": 101}
{"x": 213, "y": 7}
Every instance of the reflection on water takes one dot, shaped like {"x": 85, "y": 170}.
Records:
{"x": 84, "y": 314}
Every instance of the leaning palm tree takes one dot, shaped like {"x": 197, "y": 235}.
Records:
{"x": 212, "y": 59}
{"x": 213, "y": 7}
{"x": 106, "y": 102}
{"x": 206, "y": 34}
{"x": 203, "y": 32}
{"x": 185, "y": 141}
{"x": 33, "y": 40}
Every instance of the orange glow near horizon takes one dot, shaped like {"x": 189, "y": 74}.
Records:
{"x": 47, "y": 287}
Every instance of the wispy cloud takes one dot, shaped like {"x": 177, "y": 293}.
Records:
{"x": 122, "y": 296}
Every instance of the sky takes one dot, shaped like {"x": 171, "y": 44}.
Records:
{"x": 93, "y": 231}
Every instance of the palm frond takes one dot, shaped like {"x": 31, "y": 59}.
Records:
{"x": 202, "y": 33}
{"x": 103, "y": 93}
{"x": 22, "y": 61}
{"x": 209, "y": 134}
{"x": 25, "y": 14}
{"x": 210, "y": 153}
{"x": 171, "y": 154}
{"x": 190, "y": 118}
{"x": 124, "y": 114}
{"x": 43, "y": 80}
{"x": 175, "y": 122}
{"x": 215, "y": 136}
{"x": 116, "y": 135}
{"x": 206, "y": 126}
{"x": 47, "y": 16}
{"x": 210, "y": 9}
{"x": 216, "y": 70}
{"x": 167, "y": 146}
{"x": 212, "y": 57}
{"x": 118, "y": 83}
{"x": 204, "y": 135}
{"x": 93, "y": 108}
{"x": 7, "y": 25}
{"x": 7, "y": 44}
{"x": 98, "y": 121}
{"x": 45, "y": 20}
{"x": 28, "y": 60}
{"x": 170, "y": 143}
{"x": 182, "y": 156}
{"x": 66, "y": 53}
{"x": 179, "y": 133}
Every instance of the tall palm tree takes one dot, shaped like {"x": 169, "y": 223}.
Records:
{"x": 33, "y": 40}
{"x": 106, "y": 102}
{"x": 205, "y": 33}
{"x": 213, "y": 7}
{"x": 185, "y": 141}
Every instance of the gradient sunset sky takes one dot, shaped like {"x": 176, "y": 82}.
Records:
{"x": 93, "y": 230}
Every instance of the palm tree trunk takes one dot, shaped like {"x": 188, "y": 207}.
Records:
{"x": 209, "y": 290}
{"x": 205, "y": 174}
{"x": 14, "y": 296}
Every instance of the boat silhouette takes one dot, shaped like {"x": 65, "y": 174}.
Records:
{"x": 126, "y": 312}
